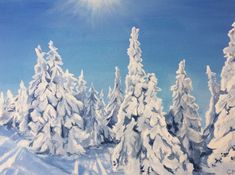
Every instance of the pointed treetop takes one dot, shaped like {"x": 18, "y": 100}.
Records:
{"x": 68, "y": 74}
{"x": 134, "y": 50}
{"x": 210, "y": 74}
{"x": 9, "y": 94}
{"x": 39, "y": 52}
{"x": 135, "y": 33}
{"x": 39, "y": 48}
{"x": 22, "y": 86}
{"x": 51, "y": 46}
{"x": 81, "y": 76}
{"x": 208, "y": 70}
{"x": 135, "y": 67}
{"x": 53, "y": 55}
{"x": 229, "y": 51}
{"x": 41, "y": 62}
{"x": 181, "y": 69}
{"x": 117, "y": 72}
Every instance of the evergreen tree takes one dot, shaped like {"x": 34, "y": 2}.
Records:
{"x": 74, "y": 123}
{"x": 127, "y": 154}
{"x": 164, "y": 154}
{"x": 45, "y": 124}
{"x": 185, "y": 120}
{"x": 115, "y": 99}
{"x": 22, "y": 108}
{"x": 214, "y": 90}
{"x": 93, "y": 125}
{"x": 141, "y": 128}
{"x": 37, "y": 97}
{"x": 81, "y": 87}
{"x": 101, "y": 116}
{"x": 9, "y": 113}
{"x": 211, "y": 115}
{"x": 57, "y": 112}
{"x": 80, "y": 91}
{"x": 223, "y": 142}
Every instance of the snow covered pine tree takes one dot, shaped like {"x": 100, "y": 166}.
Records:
{"x": 211, "y": 115}
{"x": 55, "y": 111}
{"x": 95, "y": 121}
{"x": 222, "y": 159}
{"x": 184, "y": 120}
{"x": 115, "y": 99}
{"x": 9, "y": 115}
{"x": 22, "y": 108}
{"x": 145, "y": 146}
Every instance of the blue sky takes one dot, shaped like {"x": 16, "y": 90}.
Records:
{"x": 95, "y": 38}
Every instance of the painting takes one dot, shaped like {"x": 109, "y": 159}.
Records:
{"x": 117, "y": 87}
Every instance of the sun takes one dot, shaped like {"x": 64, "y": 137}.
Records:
{"x": 94, "y": 7}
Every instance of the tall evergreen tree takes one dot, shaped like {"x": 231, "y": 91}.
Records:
{"x": 127, "y": 154}
{"x": 95, "y": 118}
{"x": 214, "y": 89}
{"x": 90, "y": 117}
{"x": 115, "y": 99}
{"x": 22, "y": 108}
{"x": 141, "y": 128}
{"x": 37, "y": 96}
{"x": 185, "y": 120}
{"x": 211, "y": 115}
{"x": 223, "y": 142}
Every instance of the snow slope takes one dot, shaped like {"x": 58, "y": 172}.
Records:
{"x": 15, "y": 159}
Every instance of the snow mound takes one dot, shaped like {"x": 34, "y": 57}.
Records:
{"x": 15, "y": 159}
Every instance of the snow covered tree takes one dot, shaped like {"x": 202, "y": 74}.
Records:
{"x": 81, "y": 87}
{"x": 22, "y": 108}
{"x": 164, "y": 154}
{"x": 141, "y": 127}
{"x": 80, "y": 91}
{"x": 37, "y": 97}
{"x": 95, "y": 118}
{"x": 74, "y": 123}
{"x": 55, "y": 112}
{"x": 9, "y": 113}
{"x": 185, "y": 121}
{"x": 44, "y": 124}
{"x": 211, "y": 115}
{"x": 115, "y": 99}
{"x": 127, "y": 153}
{"x": 222, "y": 144}
{"x": 102, "y": 119}
{"x": 214, "y": 90}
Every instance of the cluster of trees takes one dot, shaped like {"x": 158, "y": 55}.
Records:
{"x": 57, "y": 112}
{"x": 61, "y": 116}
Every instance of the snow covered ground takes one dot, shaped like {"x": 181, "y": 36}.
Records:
{"x": 15, "y": 159}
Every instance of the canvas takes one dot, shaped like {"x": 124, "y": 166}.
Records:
{"x": 104, "y": 87}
